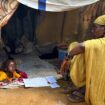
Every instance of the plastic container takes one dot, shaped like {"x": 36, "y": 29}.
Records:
{"x": 62, "y": 54}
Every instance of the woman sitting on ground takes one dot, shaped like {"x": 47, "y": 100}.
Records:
{"x": 87, "y": 65}
{"x": 10, "y": 72}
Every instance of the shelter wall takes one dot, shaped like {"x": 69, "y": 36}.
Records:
{"x": 57, "y": 27}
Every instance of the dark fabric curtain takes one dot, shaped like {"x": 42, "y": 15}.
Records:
{"x": 22, "y": 23}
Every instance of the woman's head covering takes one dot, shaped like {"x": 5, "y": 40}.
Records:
{"x": 100, "y": 20}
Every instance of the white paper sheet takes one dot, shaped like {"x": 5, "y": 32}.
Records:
{"x": 36, "y": 82}
{"x": 54, "y": 85}
{"x": 51, "y": 79}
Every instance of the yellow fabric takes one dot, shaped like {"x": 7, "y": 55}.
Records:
{"x": 77, "y": 72}
{"x": 94, "y": 64}
{"x": 3, "y": 76}
{"x": 100, "y": 20}
{"x": 15, "y": 75}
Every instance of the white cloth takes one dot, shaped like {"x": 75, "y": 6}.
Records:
{"x": 56, "y": 5}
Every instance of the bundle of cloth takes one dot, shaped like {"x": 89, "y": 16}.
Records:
{"x": 7, "y": 8}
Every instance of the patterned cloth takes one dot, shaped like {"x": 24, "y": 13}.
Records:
{"x": 7, "y": 8}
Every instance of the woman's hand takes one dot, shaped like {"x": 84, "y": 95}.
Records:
{"x": 65, "y": 66}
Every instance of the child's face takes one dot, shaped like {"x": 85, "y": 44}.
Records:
{"x": 12, "y": 66}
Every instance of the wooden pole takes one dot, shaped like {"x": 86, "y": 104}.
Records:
{"x": 63, "y": 25}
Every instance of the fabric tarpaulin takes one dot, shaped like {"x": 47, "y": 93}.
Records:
{"x": 8, "y": 7}
{"x": 56, "y": 5}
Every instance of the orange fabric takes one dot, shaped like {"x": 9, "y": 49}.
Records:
{"x": 3, "y": 76}
{"x": 15, "y": 75}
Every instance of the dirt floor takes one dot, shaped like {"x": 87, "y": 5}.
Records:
{"x": 34, "y": 96}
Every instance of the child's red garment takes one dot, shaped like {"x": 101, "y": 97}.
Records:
{"x": 23, "y": 74}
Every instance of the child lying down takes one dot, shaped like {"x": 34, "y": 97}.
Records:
{"x": 10, "y": 73}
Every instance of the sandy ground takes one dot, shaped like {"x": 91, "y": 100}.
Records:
{"x": 34, "y": 96}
